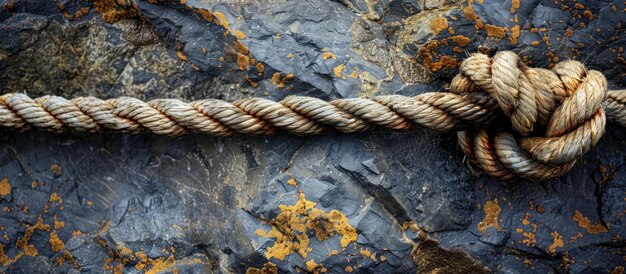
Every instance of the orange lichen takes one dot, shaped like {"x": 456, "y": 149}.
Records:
{"x": 160, "y": 265}
{"x": 268, "y": 268}
{"x": 260, "y": 68}
{"x": 207, "y": 15}
{"x": 515, "y": 33}
{"x": 56, "y": 170}
{"x": 569, "y": 32}
{"x": 617, "y": 270}
{"x": 280, "y": 82}
{"x": 534, "y": 43}
{"x": 585, "y": 223}
{"x": 221, "y": 20}
{"x": 470, "y": 14}
{"x": 492, "y": 214}
{"x": 55, "y": 242}
{"x": 588, "y": 14}
{"x": 365, "y": 252}
{"x": 181, "y": 56}
{"x": 540, "y": 209}
{"x": 514, "y": 5}
{"x": 355, "y": 73}
{"x": 243, "y": 61}
{"x": 239, "y": 34}
{"x": 5, "y": 187}
{"x": 58, "y": 224}
{"x": 338, "y": 70}
{"x": 557, "y": 241}
{"x": 460, "y": 40}
{"x": 251, "y": 82}
{"x": 6, "y": 260}
{"x": 22, "y": 243}
{"x": 292, "y": 226}
{"x": 111, "y": 11}
{"x": 495, "y": 31}
{"x": 439, "y": 24}
{"x": 328, "y": 55}
{"x": 349, "y": 269}
{"x": 34, "y": 184}
{"x": 54, "y": 198}
{"x": 311, "y": 265}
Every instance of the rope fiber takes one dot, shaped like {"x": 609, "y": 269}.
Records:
{"x": 555, "y": 116}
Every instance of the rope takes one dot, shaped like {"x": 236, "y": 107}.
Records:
{"x": 556, "y": 115}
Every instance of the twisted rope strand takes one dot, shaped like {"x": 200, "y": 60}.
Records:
{"x": 556, "y": 116}
{"x": 253, "y": 116}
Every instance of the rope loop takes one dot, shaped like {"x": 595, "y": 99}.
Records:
{"x": 556, "y": 116}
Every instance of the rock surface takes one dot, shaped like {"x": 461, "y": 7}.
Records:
{"x": 335, "y": 203}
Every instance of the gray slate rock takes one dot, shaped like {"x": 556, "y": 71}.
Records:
{"x": 198, "y": 204}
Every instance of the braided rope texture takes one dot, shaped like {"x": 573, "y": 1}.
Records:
{"x": 555, "y": 115}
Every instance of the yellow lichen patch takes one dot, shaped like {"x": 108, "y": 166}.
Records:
{"x": 181, "y": 56}
{"x": 239, "y": 34}
{"x": 5, "y": 187}
{"x": 311, "y": 265}
{"x": 439, "y": 24}
{"x": 349, "y": 269}
{"x": 55, "y": 242}
{"x": 279, "y": 81}
{"x": 292, "y": 182}
{"x": 557, "y": 241}
{"x": 328, "y": 55}
{"x": 221, "y": 20}
{"x": 34, "y": 184}
{"x": 495, "y": 31}
{"x": 111, "y": 11}
{"x": 525, "y": 221}
{"x": 22, "y": 243}
{"x": 160, "y": 265}
{"x": 492, "y": 214}
{"x": 268, "y": 268}
{"x": 338, "y": 70}
{"x": 355, "y": 73}
{"x": 54, "y": 198}
{"x": 365, "y": 252}
{"x": 515, "y": 33}
{"x": 585, "y": 223}
{"x": 292, "y": 226}
{"x": 6, "y": 260}
{"x": 514, "y": 5}
{"x": 58, "y": 224}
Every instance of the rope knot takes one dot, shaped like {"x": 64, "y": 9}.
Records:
{"x": 555, "y": 115}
